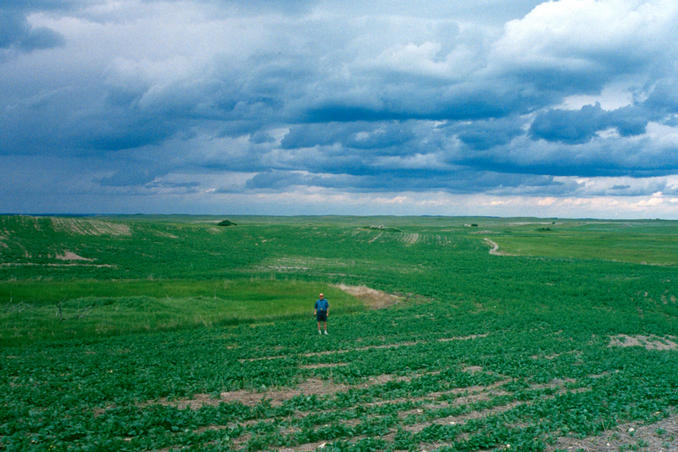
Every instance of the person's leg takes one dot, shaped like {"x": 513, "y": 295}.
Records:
{"x": 319, "y": 332}
{"x": 325, "y": 325}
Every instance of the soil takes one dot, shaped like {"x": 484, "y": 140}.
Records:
{"x": 71, "y": 256}
{"x": 461, "y": 419}
{"x": 661, "y": 436}
{"x": 322, "y": 365}
{"x": 90, "y": 227}
{"x": 374, "y": 299}
{"x": 648, "y": 342}
{"x": 312, "y": 386}
{"x": 306, "y": 447}
{"x": 410, "y": 239}
{"x": 480, "y": 393}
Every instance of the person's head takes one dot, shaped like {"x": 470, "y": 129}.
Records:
{"x": 321, "y": 296}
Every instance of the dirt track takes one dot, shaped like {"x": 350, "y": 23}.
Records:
{"x": 495, "y": 247}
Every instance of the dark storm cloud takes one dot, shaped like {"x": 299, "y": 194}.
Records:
{"x": 664, "y": 97}
{"x": 580, "y": 126}
{"x": 481, "y": 135}
{"x": 16, "y": 33}
{"x": 359, "y": 135}
{"x": 132, "y": 174}
{"x": 600, "y": 157}
{"x": 452, "y": 96}
{"x": 463, "y": 101}
{"x": 460, "y": 181}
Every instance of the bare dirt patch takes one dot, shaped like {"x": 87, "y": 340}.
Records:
{"x": 651, "y": 342}
{"x": 462, "y": 338}
{"x": 322, "y": 365}
{"x": 71, "y": 256}
{"x": 555, "y": 383}
{"x": 307, "y": 447}
{"x": 553, "y": 355}
{"x": 312, "y": 386}
{"x": 374, "y": 299}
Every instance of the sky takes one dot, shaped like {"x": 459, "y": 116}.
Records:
{"x": 474, "y": 107}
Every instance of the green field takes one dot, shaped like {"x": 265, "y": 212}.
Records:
{"x": 172, "y": 333}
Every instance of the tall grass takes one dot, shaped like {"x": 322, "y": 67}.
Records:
{"x": 63, "y": 310}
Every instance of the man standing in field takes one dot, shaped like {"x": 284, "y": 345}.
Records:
{"x": 321, "y": 311}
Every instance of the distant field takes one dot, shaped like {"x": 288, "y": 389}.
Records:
{"x": 172, "y": 333}
{"x": 652, "y": 243}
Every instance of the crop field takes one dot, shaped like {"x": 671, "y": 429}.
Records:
{"x": 158, "y": 333}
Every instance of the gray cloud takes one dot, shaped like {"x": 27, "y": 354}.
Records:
{"x": 580, "y": 126}
{"x": 460, "y": 181}
{"x": 357, "y": 135}
{"x": 17, "y": 33}
{"x": 486, "y": 134}
{"x": 359, "y": 98}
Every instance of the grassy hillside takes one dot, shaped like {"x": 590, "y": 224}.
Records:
{"x": 171, "y": 333}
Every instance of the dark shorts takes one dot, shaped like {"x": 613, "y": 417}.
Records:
{"x": 321, "y": 316}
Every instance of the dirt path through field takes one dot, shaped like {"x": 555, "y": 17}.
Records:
{"x": 495, "y": 247}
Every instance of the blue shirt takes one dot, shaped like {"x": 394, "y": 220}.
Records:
{"x": 322, "y": 305}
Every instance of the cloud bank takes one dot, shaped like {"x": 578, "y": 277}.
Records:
{"x": 558, "y": 108}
